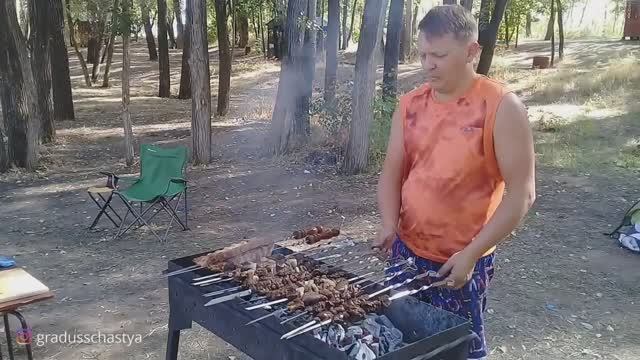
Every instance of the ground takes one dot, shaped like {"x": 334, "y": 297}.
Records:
{"x": 563, "y": 290}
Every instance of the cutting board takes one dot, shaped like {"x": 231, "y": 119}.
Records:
{"x": 17, "y": 283}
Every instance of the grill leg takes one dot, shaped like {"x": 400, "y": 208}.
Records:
{"x": 173, "y": 343}
{"x": 7, "y": 331}
{"x": 25, "y": 326}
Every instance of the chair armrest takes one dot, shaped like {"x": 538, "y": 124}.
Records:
{"x": 178, "y": 180}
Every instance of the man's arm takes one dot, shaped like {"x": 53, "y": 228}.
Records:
{"x": 513, "y": 143}
{"x": 390, "y": 183}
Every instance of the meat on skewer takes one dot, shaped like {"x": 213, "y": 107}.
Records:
{"x": 312, "y": 239}
{"x": 299, "y": 234}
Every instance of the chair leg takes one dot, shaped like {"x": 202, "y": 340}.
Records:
{"x": 171, "y": 211}
{"x": 186, "y": 211}
{"x": 138, "y": 218}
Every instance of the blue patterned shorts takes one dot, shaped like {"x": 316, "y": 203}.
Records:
{"x": 469, "y": 302}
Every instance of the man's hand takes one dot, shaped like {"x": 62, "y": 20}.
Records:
{"x": 384, "y": 240}
{"x": 458, "y": 270}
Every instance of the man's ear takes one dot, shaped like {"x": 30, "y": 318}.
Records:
{"x": 473, "y": 51}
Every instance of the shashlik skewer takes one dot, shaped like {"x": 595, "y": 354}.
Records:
{"x": 310, "y": 323}
{"x": 214, "y": 293}
{"x": 395, "y": 286}
{"x": 310, "y": 328}
{"x": 294, "y": 317}
{"x": 274, "y": 302}
{"x": 275, "y": 313}
{"x": 402, "y": 294}
{"x": 183, "y": 270}
{"x": 222, "y": 299}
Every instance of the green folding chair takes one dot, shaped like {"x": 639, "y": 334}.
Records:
{"x": 161, "y": 185}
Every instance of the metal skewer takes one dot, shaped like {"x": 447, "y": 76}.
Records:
{"x": 274, "y": 302}
{"x": 409, "y": 292}
{"x": 222, "y": 299}
{"x": 275, "y": 313}
{"x": 294, "y": 317}
{"x": 310, "y": 323}
{"x": 395, "y": 286}
{"x": 183, "y": 270}
{"x": 214, "y": 293}
{"x": 302, "y": 331}
{"x": 206, "y": 277}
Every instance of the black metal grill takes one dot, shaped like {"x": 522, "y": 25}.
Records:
{"x": 428, "y": 332}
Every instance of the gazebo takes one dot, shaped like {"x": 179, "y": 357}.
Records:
{"x": 632, "y": 20}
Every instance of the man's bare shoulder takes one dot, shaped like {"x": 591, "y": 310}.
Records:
{"x": 511, "y": 110}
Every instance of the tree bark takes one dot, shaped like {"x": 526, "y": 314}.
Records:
{"x": 407, "y": 32}
{"x": 261, "y": 27}
{"x": 126, "y": 116}
{"x": 177, "y": 9}
{"x": 357, "y": 150}
{"x": 172, "y": 35}
{"x": 352, "y": 21}
{"x": 467, "y": 4}
{"x": 506, "y": 28}
{"x": 233, "y": 29}
{"x": 345, "y": 35}
{"x": 224, "y": 70}
{"x": 185, "y": 72}
{"x": 61, "y": 81}
{"x": 560, "y": 31}
{"x": 484, "y": 21}
{"x": 331, "y": 54}
{"x": 550, "y": 24}
{"x": 41, "y": 67}
{"x": 392, "y": 49}
{"x": 201, "y": 88}
{"x": 243, "y": 37}
{"x": 112, "y": 40}
{"x": 517, "y": 32}
{"x": 302, "y": 127}
{"x": 148, "y": 33}
{"x": 22, "y": 129}
{"x": 414, "y": 20}
{"x": 553, "y": 36}
{"x": 24, "y": 17}
{"x": 528, "y": 25}
{"x": 584, "y": 9}
{"x": 96, "y": 51}
{"x": 6, "y": 102}
{"x": 289, "y": 86}
{"x": 74, "y": 43}
{"x": 489, "y": 44}
{"x": 163, "y": 49}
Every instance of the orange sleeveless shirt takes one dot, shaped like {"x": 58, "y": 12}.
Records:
{"x": 451, "y": 184}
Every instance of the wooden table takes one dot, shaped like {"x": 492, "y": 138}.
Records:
{"x": 12, "y": 288}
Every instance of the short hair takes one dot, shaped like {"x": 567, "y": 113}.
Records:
{"x": 449, "y": 19}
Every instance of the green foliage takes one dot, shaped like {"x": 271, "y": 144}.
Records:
{"x": 383, "y": 108}
{"x": 333, "y": 121}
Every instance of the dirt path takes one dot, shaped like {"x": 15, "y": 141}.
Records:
{"x": 562, "y": 289}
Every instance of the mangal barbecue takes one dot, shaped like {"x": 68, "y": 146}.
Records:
{"x": 316, "y": 295}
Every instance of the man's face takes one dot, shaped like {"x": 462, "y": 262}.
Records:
{"x": 444, "y": 58}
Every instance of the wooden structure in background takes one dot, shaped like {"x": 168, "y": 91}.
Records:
{"x": 632, "y": 20}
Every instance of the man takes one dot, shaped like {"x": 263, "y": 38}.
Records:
{"x": 456, "y": 142}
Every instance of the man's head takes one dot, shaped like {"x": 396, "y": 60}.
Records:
{"x": 448, "y": 45}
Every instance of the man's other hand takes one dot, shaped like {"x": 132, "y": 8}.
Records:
{"x": 384, "y": 240}
{"x": 457, "y": 270}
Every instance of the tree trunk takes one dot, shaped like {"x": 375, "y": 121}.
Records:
{"x": 484, "y": 21}
{"x": 467, "y": 4}
{"x": 506, "y": 28}
{"x": 185, "y": 72}
{"x": 126, "y": 116}
{"x": 331, "y": 54}
{"x": 414, "y": 20}
{"x": 392, "y": 49}
{"x": 24, "y": 17}
{"x": 41, "y": 67}
{"x": 345, "y": 34}
{"x": 407, "y": 31}
{"x": 553, "y": 36}
{"x": 6, "y": 103}
{"x": 74, "y": 43}
{"x": 163, "y": 49}
{"x": 488, "y": 47}
{"x": 97, "y": 50}
{"x": 148, "y": 33}
{"x": 528, "y": 25}
{"x": 261, "y": 27}
{"x": 550, "y": 24}
{"x": 112, "y": 40}
{"x": 321, "y": 38}
{"x": 61, "y": 81}
{"x": 357, "y": 150}
{"x": 289, "y": 86}
{"x": 353, "y": 17}
{"x": 224, "y": 70}
{"x": 243, "y": 24}
{"x": 201, "y": 88}
{"x": 177, "y": 9}
{"x": 584, "y": 9}
{"x": 23, "y": 128}
{"x": 171, "y": 34}
{"x": 302, "y": 127}
{"x": 233, "y": 29}
{"x": 517, "y": 32}
{"x": 449, "y": 2}
{"x": 560, "y": 31}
